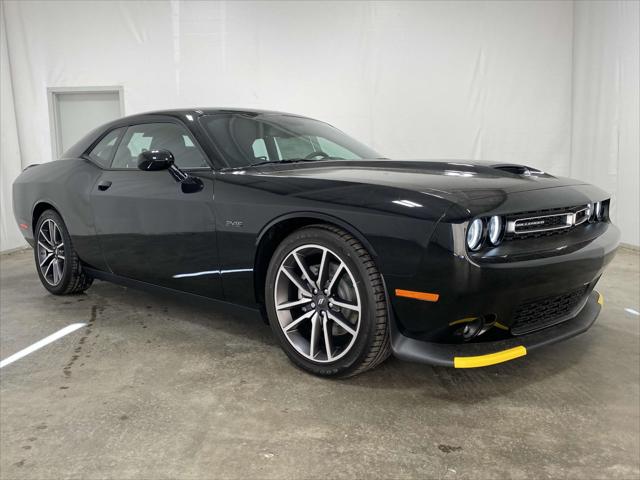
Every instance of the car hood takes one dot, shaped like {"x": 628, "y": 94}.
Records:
{"x": 459, "y": 188}
{"x": 459, "y": 182}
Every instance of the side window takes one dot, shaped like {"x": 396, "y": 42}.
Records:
{"x": 156, "y": 136}
{"x": 103, "y": 152}
{"x": 294, "y": 147}
{"x": 260, "y": 149}
{"x": 335, "y": 151}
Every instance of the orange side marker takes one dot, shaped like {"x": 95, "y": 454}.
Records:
{"x": 427, "y": 297}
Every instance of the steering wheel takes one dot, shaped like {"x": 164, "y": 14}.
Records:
{"x": 318, "y": 153}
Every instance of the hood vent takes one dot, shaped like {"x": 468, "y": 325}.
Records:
{"x": 518, "y": 169}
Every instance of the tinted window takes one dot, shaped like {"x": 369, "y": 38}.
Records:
{"x": 103, "y": 152}
{"x": 156, "y": 136}
{"x": 243, "y": 139}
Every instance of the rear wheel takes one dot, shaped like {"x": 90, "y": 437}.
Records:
{"x": 57, "y": 263}
{"x": 326, "y": 302}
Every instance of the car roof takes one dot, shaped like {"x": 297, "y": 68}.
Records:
{"x": 213, "y": 111}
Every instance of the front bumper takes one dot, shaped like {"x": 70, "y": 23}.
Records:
{"x": 471, "y": 355}
{"x": 459, "y": 287}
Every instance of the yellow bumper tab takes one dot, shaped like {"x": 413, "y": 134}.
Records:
{"x": 600, "y": 299}
{"x": 489, "y": 359}
{"x": 462, "y": 320}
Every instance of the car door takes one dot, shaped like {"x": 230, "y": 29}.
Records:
{"x": 148, "y": 228}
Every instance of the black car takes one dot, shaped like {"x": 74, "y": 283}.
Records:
{"x": 349, "y": 256}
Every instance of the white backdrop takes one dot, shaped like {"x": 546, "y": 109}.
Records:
{"x": 606, "y": 106}
{"x": 481, "y": 80}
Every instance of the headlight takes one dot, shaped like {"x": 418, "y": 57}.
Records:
{"x": 495, "y": 230}
{"x": 598, "y": 211}
{"x": 474, "y": 234}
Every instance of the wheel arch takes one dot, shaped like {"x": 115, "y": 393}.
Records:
{"x": 39, "y": 208}
{"x": 278, "y": 229}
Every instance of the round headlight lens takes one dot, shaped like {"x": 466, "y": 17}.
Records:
{"x": 598, "y": 211}
{"x": 474, "y": 234}
{"x": 495, "y": 230}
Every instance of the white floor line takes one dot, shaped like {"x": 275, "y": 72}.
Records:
{"x": 41, "y": 343}
{"x": 632, "y": 311}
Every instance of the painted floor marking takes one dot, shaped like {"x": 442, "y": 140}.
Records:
{"x": 41, "y": 343}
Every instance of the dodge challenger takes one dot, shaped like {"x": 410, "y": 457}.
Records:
{"x": 347, "y": 255}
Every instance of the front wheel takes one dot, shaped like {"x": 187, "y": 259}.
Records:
{"x": 326, "y": 303}
{"x": 58, "y": 264}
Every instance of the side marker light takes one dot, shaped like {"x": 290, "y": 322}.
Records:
{"x": 425, "y": 296}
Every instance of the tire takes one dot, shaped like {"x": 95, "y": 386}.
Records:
{"x": 57, "y": 262}
{"x": 347, "y": 316}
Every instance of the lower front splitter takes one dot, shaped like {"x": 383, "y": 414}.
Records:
{"x": 472, "y": 355}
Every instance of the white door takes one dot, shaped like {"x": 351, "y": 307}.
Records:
{"x": 75, "y": 112}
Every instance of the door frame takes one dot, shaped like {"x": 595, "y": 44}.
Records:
{"x": 54, "y": 120}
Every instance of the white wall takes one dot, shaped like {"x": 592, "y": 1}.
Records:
{"x": 10, "y": 159}
{"x": 490, "y": 80}
{"x": 606, "y": 106}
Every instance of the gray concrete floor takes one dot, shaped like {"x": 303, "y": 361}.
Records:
{"x": 154, "y": 388}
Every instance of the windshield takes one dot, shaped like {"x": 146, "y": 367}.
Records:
{"x": 249, "y": 139}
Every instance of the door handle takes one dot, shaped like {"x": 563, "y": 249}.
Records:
{"x": 103, "y": 185}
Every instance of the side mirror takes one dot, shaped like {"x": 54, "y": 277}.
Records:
{"x": 154, "y": 160}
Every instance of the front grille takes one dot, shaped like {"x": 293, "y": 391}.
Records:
{"x": 525, "y": 225}
{"x": 525, "y": 236}
{"x": 544, "y": 312}
{"x": 543, "y": 223}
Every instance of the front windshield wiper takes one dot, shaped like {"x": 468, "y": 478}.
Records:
{"x": 288, "y": 160}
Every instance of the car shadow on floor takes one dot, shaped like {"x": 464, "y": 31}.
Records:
{"x": 463, "y": 386}
{"x": 475, "y": 385}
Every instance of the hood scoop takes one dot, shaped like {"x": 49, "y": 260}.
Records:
{"x": 518, "y": 169}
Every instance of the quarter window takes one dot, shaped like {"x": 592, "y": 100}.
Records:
{"x": 103, "y": 152}
{"x": 158, "y": 136}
